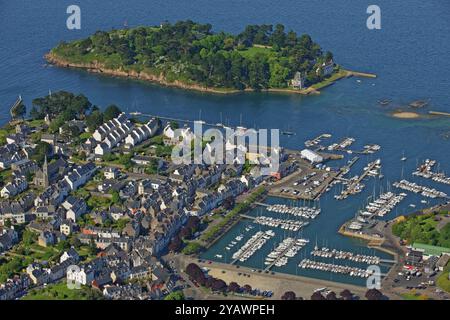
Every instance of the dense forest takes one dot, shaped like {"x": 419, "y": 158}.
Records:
{"x": 260, "y": 57}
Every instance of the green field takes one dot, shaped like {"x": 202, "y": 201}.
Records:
{"x": 60, "y": 291}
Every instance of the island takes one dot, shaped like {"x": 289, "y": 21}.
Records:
{"x": 190, "y": 55}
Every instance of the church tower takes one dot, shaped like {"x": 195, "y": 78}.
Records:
{"x": 45, "y": 181}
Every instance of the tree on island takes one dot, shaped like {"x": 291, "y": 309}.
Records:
{"x": 289, "y": 295}
{"x": 374, "y": 294}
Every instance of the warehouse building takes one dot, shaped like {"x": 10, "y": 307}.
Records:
{"x": 311, "y": 156}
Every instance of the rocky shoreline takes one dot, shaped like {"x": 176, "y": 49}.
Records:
{"x": 159, "y": 79}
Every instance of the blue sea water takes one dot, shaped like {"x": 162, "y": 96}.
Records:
{"x": 409, "y": 55}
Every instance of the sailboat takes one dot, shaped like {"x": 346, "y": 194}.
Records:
{"x": 403, "y": 158}
{"x": 220, "y": 124}
{"x": 287, "y": 132}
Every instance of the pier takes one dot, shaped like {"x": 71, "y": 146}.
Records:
{"x": 251, "y": 246}
{"x": 317, "y": 140}
{"x": 439, "y": 113}
{"x": 352, "y": 187}
{"x": 262, "y": 204}
{"x": 281, "y": 255}
{"x": 217, "y": 125}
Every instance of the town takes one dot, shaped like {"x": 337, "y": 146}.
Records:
{"x": 91, "y": 198}
{"x": 99, "y": 191}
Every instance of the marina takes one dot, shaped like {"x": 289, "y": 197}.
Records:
{"x": 291, "y": 225}
{"x": 288, "y": 248}
{"x": 252, "y": 245}
{"x": 335, "y": 268}
{"x": 316, "y": 141}
{"x": 304, "y": 212}
{"x": 341, "y": 146}
{"x": 382, "y": 206}
{"x": 325, "y": 252}
{"x": 422, "y": 190}
{"x": 425, "y": 170}
{"x": 354, "y": 184}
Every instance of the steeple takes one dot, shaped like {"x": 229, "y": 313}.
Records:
{"x": 45, "y": 173}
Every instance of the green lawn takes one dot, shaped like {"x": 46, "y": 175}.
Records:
{"x": 250, "y": 52}
{"x": 96, "y": 202}
{"x": 60, "y": 291}
{"x": 330, "y": 80}
{"x": 35, "y": 123}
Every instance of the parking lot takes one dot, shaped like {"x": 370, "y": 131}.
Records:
{"x": 307, "y": 183}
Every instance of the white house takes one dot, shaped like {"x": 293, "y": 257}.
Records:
{"x": 75, "y": 208}
{"x": 139, "y": 134}
{"x": 66, "y": 227}
{"x": 111, "y": 173}
{"x": 69, "y": 254}
{"x": 298, "y": 82}
{"x": 80, "y": 175}
{"x": 111, "y": 133}
{"x": 326, "y": 67}
{"x": 169, "y": 132}
{"x": 82, "y": 276}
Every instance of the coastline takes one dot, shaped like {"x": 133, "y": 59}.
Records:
{"x": 53, "y": 59}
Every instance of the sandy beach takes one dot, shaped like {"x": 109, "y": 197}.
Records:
{"x": 405, "y": 115}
